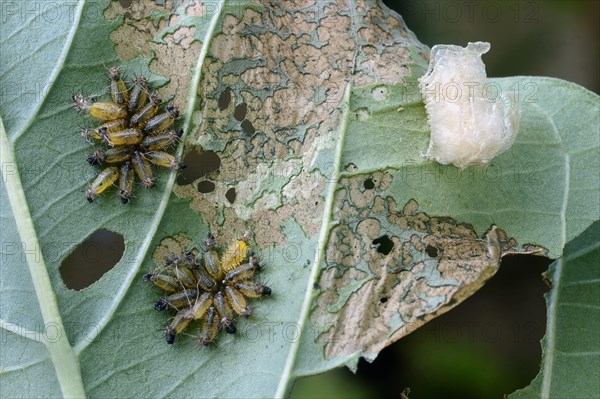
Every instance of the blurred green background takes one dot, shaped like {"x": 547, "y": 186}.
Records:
{"x": 489, "y": 345}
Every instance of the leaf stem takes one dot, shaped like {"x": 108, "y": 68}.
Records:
{"x": 63, "y": 357}
{"x": 286, "y": 376}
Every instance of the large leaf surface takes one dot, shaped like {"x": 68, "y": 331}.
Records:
{"x": 538, "y": 200}
{"x": 300, "y": 187}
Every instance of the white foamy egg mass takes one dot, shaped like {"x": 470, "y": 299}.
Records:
{"x": 471, "y": 120}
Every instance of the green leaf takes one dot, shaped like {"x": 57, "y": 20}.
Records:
{"x": 570, "y": 346}
{"x": 331, "y": 103}
{"x": 43, "y": 180}
{"x": 543, "y": 191}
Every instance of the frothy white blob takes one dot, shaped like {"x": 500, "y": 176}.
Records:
{"x": 471, "y": 120}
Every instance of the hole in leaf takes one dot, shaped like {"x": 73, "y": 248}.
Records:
{"x": 506, "y": 316}
{"x": 198, "y": 165}
{"x": 384, "y": 244}
{"x": 383, "y": 299}
{"x": 247, "y": 127}
{"x": 224, "y": 99}
{"x": 431, "y": 251}
{"x": 231, "y": 195}
{"x": 240, "y": 111}
{"x": 96, "y": 255}
{"x": 125, "y": 3}
{"x": 206, "y": 187}
{"x": 369, "y": 184}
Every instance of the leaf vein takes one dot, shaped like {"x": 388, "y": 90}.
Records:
{"x": 57, "y": 67}
{"x": 20, "y": 331}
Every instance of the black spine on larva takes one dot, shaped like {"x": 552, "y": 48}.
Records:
{"x": 161, "y": 304}
{"x": 170, "y": 338}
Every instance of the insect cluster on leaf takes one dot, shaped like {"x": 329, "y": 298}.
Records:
{"x": 134, "y": 135}
{"x": 208, "y": 288}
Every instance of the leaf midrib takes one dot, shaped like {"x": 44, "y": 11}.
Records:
{"x": 326, "y": 226}
{"x": 63, "y": 357}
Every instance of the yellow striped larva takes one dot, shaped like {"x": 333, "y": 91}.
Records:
{"x": 117, "y": 154}
{"x": 209, "y": 328}
{"x": 105, "y": 179}
{"x": 212, "y": 263}
{"x": 200, "y": 306}
{"x": 126, "y": 182}
{"x": 252, "y": 289}
{"x": 206, "y": 282}
{"x": 185, "y": 276}
{"x": 225, "y": 313}
{"x": 164, "y": 282}
{"x": 236, "y": 253}
{"x": 107, "y": 111}
{"x": 162, "y": 122}
{"x": 147, "y": 112}
{"x": 163, "y": 159}
{"x": 108, "y": 127}
{"x": 237, "y": 301}
{"x": 242, "y": 272}
{"x": 113, "y": 126}
{"x": 143, "y": 169}
{"x": 127, "y": 137}
{"x": 177, "y": 300}
{"x": 161, "y": 141}
{"x": 139, "y": 95}
{"x": 176, "y": 327}
{"x": 104, "y": 111}
{"x": 118, "y": 90}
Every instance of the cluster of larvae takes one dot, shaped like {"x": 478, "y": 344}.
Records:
{"x": 134, "y": 135}
{"x": 207, "y": 288}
